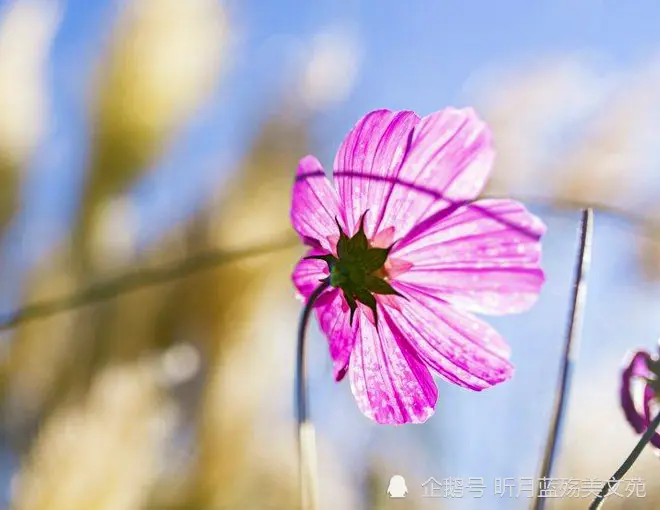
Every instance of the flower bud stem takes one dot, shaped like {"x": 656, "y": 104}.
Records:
{"x": 627, "y": 464}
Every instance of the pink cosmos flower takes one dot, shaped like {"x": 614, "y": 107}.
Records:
{"x": 645, "y": 370}
{"x": 410, "y": 257}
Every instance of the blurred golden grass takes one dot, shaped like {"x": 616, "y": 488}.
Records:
{"x": 88, "y": 402}
{"x": 129, "y": 130}
{"x": 164, "y": 62}
{"x": 235, "y": 306}
{"x": 104, "y": 452}
{"x": 27, "y": 29}
{"x": 226, "y": 312}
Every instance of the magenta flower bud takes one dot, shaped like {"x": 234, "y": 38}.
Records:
{"x": 640, "y": 385}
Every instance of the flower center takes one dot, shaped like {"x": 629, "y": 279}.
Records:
{"x": 358, "y": 270}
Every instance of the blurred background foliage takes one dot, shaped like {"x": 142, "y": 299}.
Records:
{"x": 177, "y": 395}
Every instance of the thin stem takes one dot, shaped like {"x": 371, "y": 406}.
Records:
{"x": 627, "y": 464}
{"x": 305, "y": 429}
{"x": 570, "y": 354}
{"x": 301, "y": 367}
{"x": 143, "y": 278}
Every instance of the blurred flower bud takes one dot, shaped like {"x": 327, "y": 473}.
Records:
{"x": 639, "y": 391}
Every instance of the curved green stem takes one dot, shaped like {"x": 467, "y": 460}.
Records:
{"x": 627, "y": 464}
{"x": 305, "y": 429}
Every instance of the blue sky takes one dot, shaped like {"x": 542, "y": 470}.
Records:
{"x": 416, "y": 55}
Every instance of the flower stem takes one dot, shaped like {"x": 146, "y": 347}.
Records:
{"x": 305, "y": 428}
{"x": 627, "y": 464}
{"x": 569, "y": 356}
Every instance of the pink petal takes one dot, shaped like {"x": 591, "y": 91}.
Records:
{"x": 461, "y": 348}
{"x": 483, "y": 257}
{"x": 367, "y": 163}
{"x": 307, "y": 274}
{"x": 334, "y": 320}
{"x": 449, "y": 158}
{"x": 395, "y": 267}
{"x": 383, "y": 239}
{"x": 390, "y": 384}
{"x": 315, "y": 206}
{"x": 331, "y": 310}
{"x": 639, "y": 365}
{"x": 637, "y": 368}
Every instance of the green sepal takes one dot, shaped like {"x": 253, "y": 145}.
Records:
{"x": 329, "y": 259}
{"x": 351, "y": 304}
{"x": 374, "y": 258}
{"x": 356, "y": 246}
{"x": 359, "y": 244}
{"x": 355, "y": 268}
{"x": 380, "y": 286}
{"x": 353, "y": 248}
{"x": 338, "y": 279}
{"x": 366, "y": 298}
{"x": 342, "y": 244}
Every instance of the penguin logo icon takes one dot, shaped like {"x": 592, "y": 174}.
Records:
{"x": 397, "y": 487}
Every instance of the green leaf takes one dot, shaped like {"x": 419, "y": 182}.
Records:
{"x": 380, "y": 286}
{"x": 374, "y": 259}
